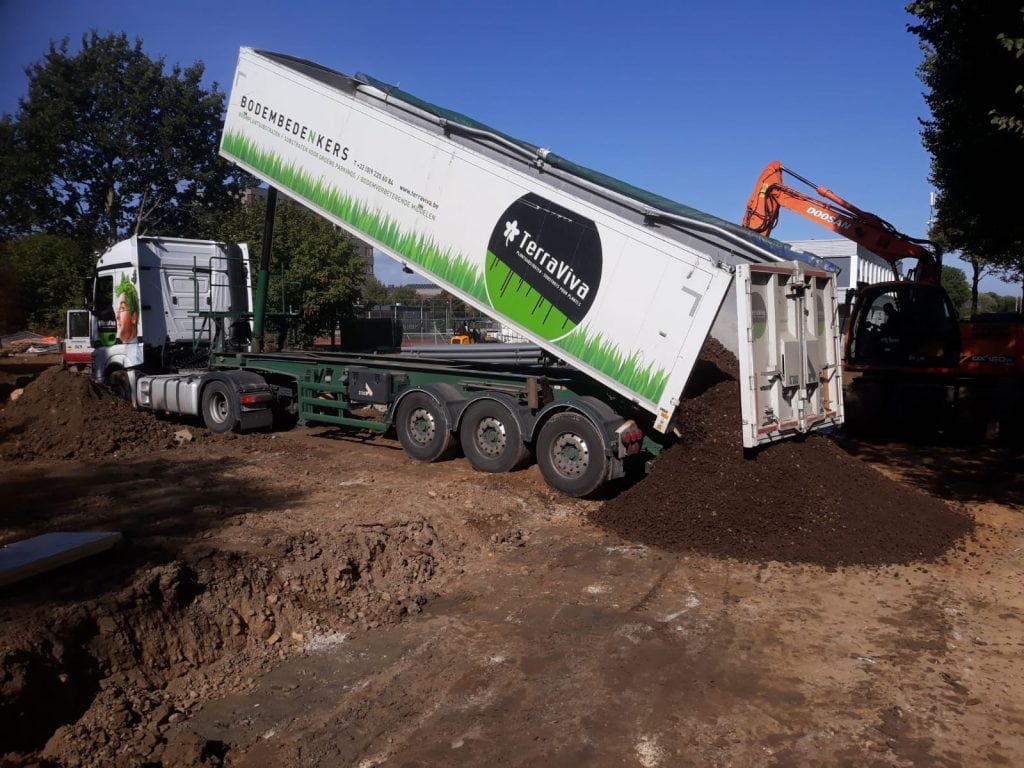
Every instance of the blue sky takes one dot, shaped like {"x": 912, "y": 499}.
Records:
{"x": 690, "y": 100}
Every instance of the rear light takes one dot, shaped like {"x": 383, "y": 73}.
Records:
{"x": 631, "y": 438}
{"x": 256, "y": 398}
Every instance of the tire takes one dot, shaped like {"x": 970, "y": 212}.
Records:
{"x": 423, "y": 429}
{"x": 120, "y": 384}
{"x": 571, "y": 455}
{"x": 491, "y": 438}
{"x": 220, "y": 407}
{"x": 284, "y": 419}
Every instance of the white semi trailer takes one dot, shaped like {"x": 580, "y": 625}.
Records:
{"x": 621, "y": 285}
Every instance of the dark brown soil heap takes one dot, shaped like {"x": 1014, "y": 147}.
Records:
{"x": 63, "y": 415}
{"x": 803, "y": 501}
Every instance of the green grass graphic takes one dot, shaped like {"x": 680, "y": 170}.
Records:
{"x": 606, "y": 357}
{"x": 452, "y": 268}
{"x": 457, "y": 270}
{"x": 514, "y": 297}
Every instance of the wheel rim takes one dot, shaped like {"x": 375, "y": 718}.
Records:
{"x": 422, "y": 426}
{"x": 219, "y": 407}
{"x": 570, "y": 455}
{"x": 491, "y": 437}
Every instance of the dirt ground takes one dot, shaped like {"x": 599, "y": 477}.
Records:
{"x": 316, "y": 598}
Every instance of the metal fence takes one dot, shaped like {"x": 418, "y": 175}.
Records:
{"x": 433, "y": 322}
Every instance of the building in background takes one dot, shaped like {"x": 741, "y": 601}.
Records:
{"x": 427, "y": 290}
{"x": 857, "y": 265}
{"x": 364, "y": 252}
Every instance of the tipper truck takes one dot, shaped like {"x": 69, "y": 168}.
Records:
{"x": 619, "y": 286}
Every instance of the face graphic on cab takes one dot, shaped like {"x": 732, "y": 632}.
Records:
{"x": 126, "y": 312}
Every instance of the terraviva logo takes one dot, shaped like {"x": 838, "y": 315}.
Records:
{"x": 563, "y": 273}
{"x": 544, "y": 266}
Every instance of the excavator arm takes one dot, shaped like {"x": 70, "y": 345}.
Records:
{"x": 771, "y": 195}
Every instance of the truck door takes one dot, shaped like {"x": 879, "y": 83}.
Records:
{"x": 789, "y": 352}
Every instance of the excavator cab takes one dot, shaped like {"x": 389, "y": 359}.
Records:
{"x": 902, "y": 325}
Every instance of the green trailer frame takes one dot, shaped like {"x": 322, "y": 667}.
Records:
{"x": 516, "y": 404}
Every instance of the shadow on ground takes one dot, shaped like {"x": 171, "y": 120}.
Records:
{"x": 159, "y": 504}
{"x": 967, "y": 473}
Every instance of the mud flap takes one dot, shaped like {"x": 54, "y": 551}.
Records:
{"x": 789, "y": 351}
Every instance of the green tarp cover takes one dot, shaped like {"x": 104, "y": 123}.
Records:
{"x": 645, "y": 198}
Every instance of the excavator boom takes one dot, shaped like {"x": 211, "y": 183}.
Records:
{"x": 771, "y": 195}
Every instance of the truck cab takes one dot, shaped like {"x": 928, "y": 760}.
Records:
{"x": 161, "y": 304}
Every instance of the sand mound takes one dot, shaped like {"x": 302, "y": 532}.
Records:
{"x": 796, "y": 501}
{"x": 63, "y": 415}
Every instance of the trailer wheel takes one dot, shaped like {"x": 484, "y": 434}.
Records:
{"x": 571, "y": 454}
{"x": 491, "y": 438}
{"x": 220, "y": 407}
{"x": 422, "y": 426}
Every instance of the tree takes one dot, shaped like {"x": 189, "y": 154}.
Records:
{"x": 375, "y": 293}
{"x": 979, "y": 268}
{"x": 972, "y": 75}
{"x": 316, "y": 276}
{"x": 404, "y": 294}
{"x": 955, "y": 284}
{"x": 1012, "y": 271}
{"x": 990, "y": 301}
{"x": 105, "y": 145}
{"x": 1012, "y": 121}
{"x": 43, "y": 275}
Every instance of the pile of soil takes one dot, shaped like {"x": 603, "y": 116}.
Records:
{"x": 102, "y": 681}
{"x": 804, "y": 501}
{"x": 64, "y": 415}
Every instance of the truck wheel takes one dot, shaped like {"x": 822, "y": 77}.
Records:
{"x": 120, "y": 384}
{"x": 491, "y": 438}
{"x": 220, "y": 407}
{"x": 571, "y": 455}
{"x": 422, "y": 426}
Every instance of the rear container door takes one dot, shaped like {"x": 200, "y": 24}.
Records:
{"x": 789, "y": 351}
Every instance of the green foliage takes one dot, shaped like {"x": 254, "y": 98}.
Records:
{"x": 993, "y": 302}
{"x": 375, "y": 293}
{"x": 1011, "y": 269}
{"x": 965, "y": 299}
{"x": 404, "y": 294}
{"x": 1012, "y": 121}
{"x": 973, "y": 72}
{"x": 316, "y": 277}
{"x": 955, "y": 282}
{"x": 105, "y": 144}
{"x": 43, "y": 275}
{"x": 457, "y": 269}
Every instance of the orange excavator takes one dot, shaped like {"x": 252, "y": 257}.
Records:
{"x": 833, "y": 212}
{"x": 910, "y": 353}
